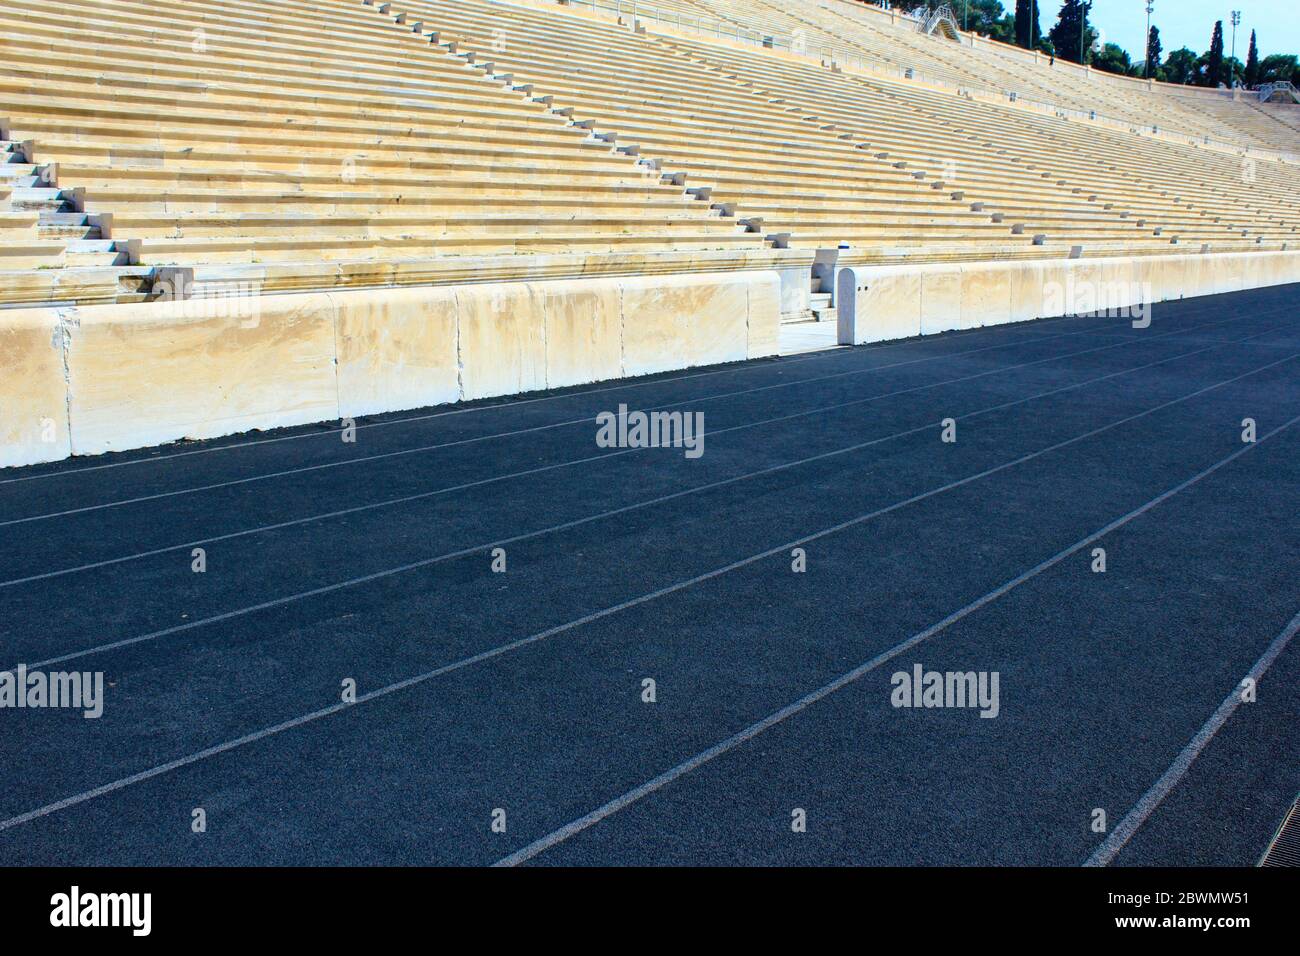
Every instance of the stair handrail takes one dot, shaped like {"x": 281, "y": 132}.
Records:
{"x": 935, "y": 16}
{"x": 1267, "y": 91}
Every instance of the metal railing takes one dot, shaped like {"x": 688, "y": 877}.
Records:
{"x": 935, "y": 16}
{"x": 1267, "y": 91}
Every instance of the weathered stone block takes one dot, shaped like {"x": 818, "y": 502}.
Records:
{"x": 985, "y": 294}
{"x": 583, "y": 334}
{"x": 679, "y": 321}
{"x": 396, "y": 349}
{"x": 33, "y": 391}
{"x": 940, "y": 299}
{"x": 146, "y": 374}
{"x": 502, "y": 340}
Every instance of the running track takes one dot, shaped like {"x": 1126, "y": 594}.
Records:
{"x": 522, "y": 690}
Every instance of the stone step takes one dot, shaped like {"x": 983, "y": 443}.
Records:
{"x": 255, "y": 128}
{"x": 20, "y": 222}
{"x": 96, "y": 252}
{"x": 91, "y": 245}
{"x": 84, "y": 230}
{"x": 30, "y": 254}
{"x": 43, "y": 199}
{"x": 431, "y": 103}
{"x": 509, "y": 227}
{"x": 236, "y": 249}
{"x": 74, "y": 225}
{"x": 64, "y": 219}
{"x": 234, "y": 201}
{"x": 19, "y": 170}
{"x": 93, "y": 284}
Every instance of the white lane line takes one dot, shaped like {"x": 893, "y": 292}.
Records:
{"x": 754, "y": 729}
{"x": 363, "y": 459}
{"x": 594, "y": 616}
{"x": 405, "y": 499}
{"x": 1170, "y": 779}
{"x": 635, "y": 506}
{"x": 736, "y": 369}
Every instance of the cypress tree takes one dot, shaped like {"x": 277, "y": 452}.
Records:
{"x": 1154, "y": 51}
{"x": 1024, "y": 24}
{"x": 1252, "y": 62}
{"x": 1071, "y": 23}
{"x": 1213, "y": 75}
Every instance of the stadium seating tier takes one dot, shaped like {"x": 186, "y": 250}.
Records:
{"x": 307, "y": 144}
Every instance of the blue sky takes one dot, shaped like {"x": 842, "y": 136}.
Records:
{"x": 1188, "y": 23}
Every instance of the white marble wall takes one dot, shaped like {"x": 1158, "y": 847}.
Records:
{"x": 878, "y": 303}
{"x": 114, "y": 377}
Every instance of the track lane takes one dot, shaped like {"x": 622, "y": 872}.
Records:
{"x": 150, "y": 595}
{"x": 177, "y": 452}
{"x": 1103, "y": 680}
{"x": 399, "y": 445}
{"x": 20, "y": 504}
{"x": 1193, "y": 333}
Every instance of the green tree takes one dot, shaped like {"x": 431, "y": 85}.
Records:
{"x": 1025, "y": 30}
{"x": 1181, "y": 66}
{"x": 1278, "y": 67}
{"x": 1211, "y": 73}
{"x": 986, "y": 17}
{"x": 1234, "y": 70}
{"x": 1154, "y": 51}
{"x": 1113, "y": 58}
{"x": 1071, "y": 25}
{"x": 1006, "y": 30}
{"x": 1252, "y": 63}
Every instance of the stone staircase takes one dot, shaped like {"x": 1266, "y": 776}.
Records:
{"x": 1282, "y": 92}
{"x": 820, "y": 308}
{"x": 940, "y": 21}
{"x": 60, "y": 218}
{"x": 48, "y": 242}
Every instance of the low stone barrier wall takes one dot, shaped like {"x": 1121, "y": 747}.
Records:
{"x": 876, "y": 303}
{"x": 83, "y": 381}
